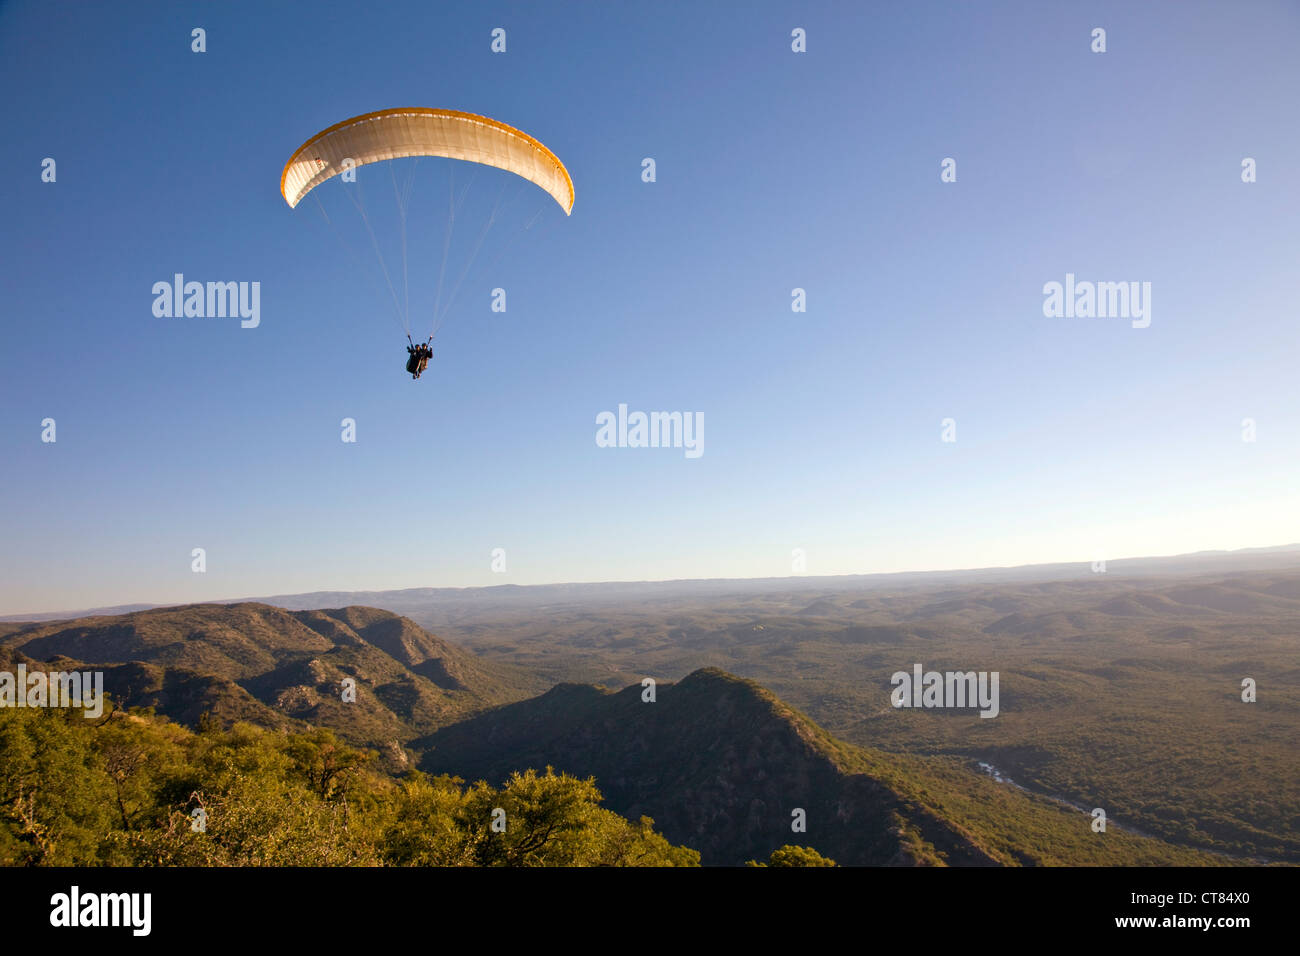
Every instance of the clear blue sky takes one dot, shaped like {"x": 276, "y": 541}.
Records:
{"x": 1076, "y": 437}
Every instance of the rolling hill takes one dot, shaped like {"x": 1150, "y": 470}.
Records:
{"x": 280, "y": 668}
{"x": 719, "y": 761}
{"x": 722, "y": 765}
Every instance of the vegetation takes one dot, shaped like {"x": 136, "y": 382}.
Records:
{"x": 133, "y": 788}
{"x": 721, "y": 762}
{"x": 280, "y": 669}
{"x": 794, "y": 856}
{"x": 1117, "y": 691}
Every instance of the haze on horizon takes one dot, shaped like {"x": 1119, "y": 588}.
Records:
{"x": 1262, "y": 559}
{"x": 1077, "y": 439}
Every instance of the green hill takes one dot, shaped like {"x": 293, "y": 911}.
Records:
{"x": 721, "y": 765}
{"x": 278, "y": 668}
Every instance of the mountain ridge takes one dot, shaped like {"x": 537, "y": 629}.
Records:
{"x": 280, "y": 668}
{"x": 722, "y": 765}
{"x": 719, "y": 761}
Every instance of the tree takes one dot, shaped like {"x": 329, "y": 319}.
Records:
{"x": 790, "y": 855}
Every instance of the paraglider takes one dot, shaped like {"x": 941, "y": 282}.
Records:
{"x": 419, "y": 358}
{"x": 417, "y": 132}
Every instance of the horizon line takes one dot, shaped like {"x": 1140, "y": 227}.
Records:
{"x": 144, "y": 605}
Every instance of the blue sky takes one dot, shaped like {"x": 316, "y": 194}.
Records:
{"x": 1076, "y": 438}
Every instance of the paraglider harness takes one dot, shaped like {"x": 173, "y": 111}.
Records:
{"x": 419, "y": 356}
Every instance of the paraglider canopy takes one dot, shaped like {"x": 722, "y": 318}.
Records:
{"x": 403, "y": 138}
{"x": 420, "y": 131}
